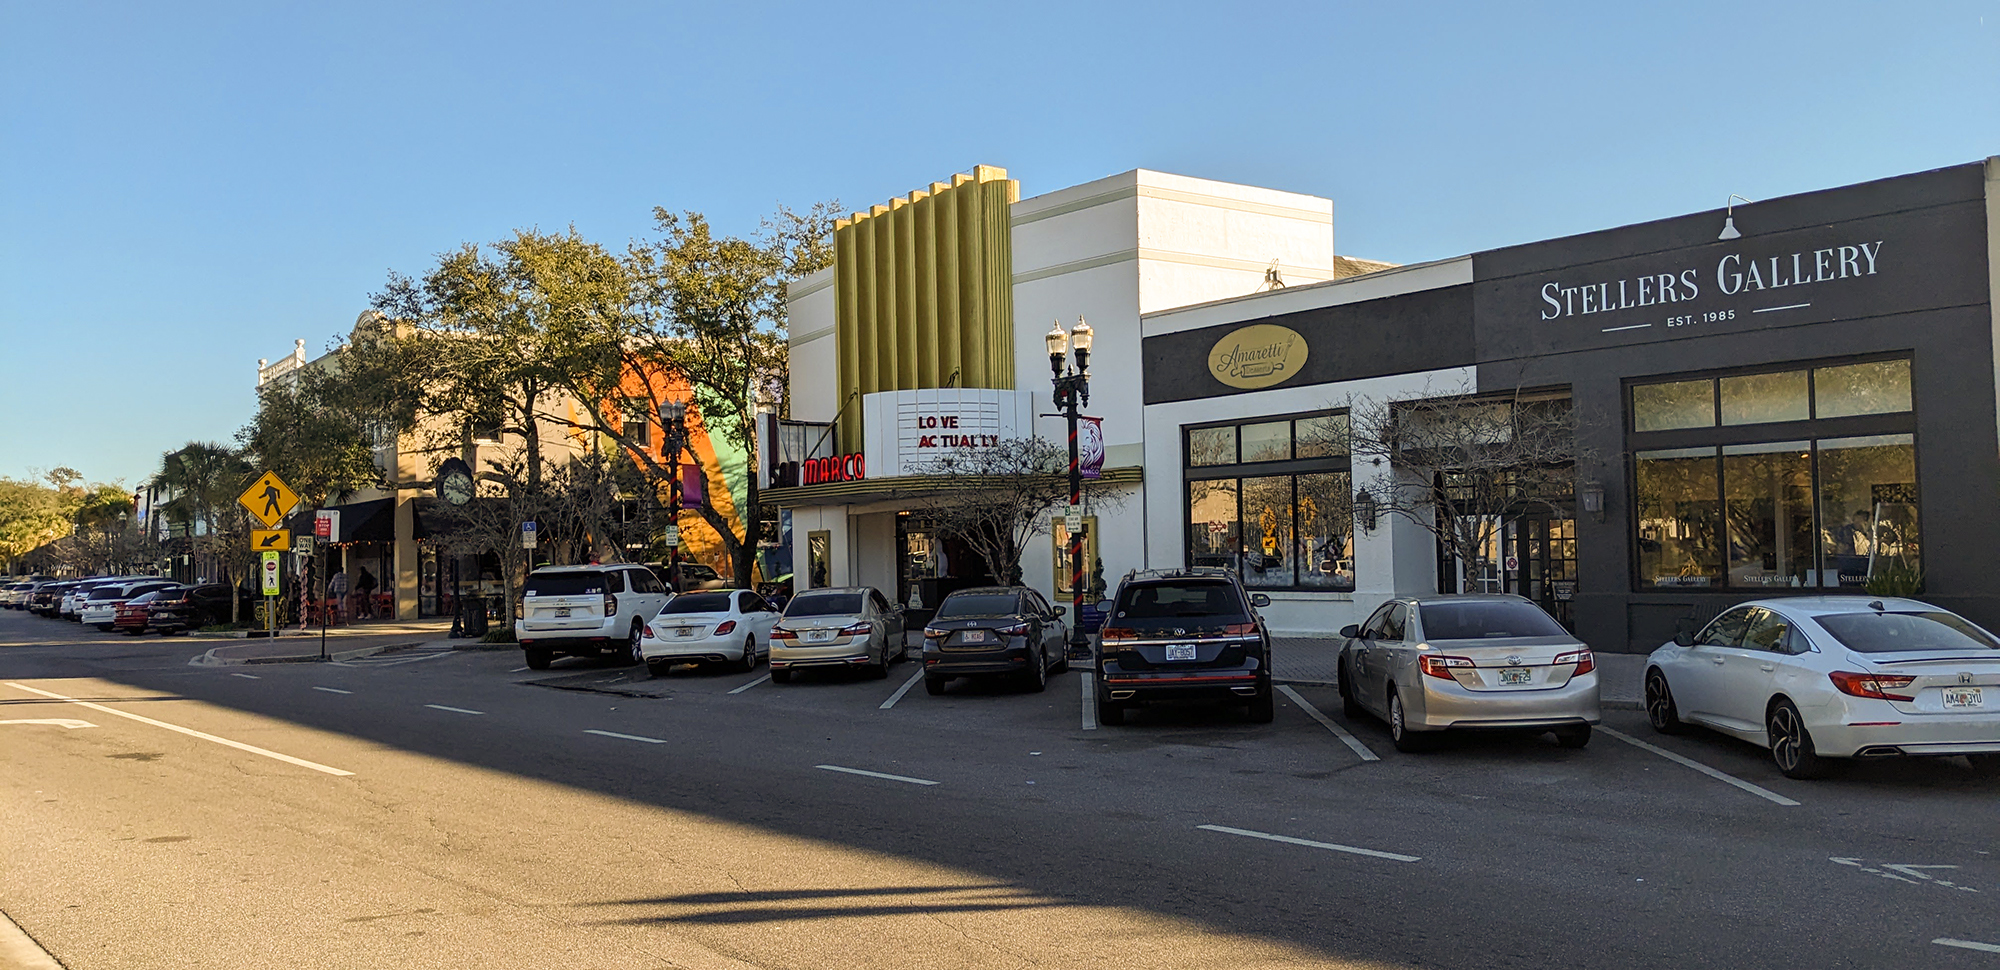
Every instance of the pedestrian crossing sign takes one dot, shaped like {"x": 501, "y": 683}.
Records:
{"x": 269, "y": 499}
{"x": 271, "y": 540}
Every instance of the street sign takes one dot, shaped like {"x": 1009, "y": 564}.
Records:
{"x": 270, "y": 574}
{"x": 673, "y": 535}
{"x": 529, "y": 535}
{"x": 269, "y": 499}
{"x": 303, "y": 545}
{"x": 326, "y": 524}
{"x": 1074, "y": 511}
{"x": 271, "y": 540}
{"x": 1075, "y": 523}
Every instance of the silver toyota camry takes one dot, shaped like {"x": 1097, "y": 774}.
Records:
{"x": 1432, "y": 664}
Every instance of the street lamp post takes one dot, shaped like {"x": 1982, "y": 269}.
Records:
{"x": 673, "y": 431}
{"x": 1072, "y": 392}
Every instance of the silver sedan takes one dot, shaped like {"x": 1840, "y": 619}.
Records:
{"x": 1431, "y": 664}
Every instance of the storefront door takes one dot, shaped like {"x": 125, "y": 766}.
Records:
{"x": 1540, "y": 563}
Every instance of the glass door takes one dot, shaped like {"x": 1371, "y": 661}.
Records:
{"x": 1540, "y": 563}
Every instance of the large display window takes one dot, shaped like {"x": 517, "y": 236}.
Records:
{"x": 1821, "y": 507}
{"x": 1272, "y": 498}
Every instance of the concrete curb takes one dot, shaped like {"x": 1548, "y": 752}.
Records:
{"x": 209, "y": 659}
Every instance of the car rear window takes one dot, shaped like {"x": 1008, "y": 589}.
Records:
{"x": 1170, "y": 600}
{"x": 1485, "y": 620}
{"x": 106, "y": 592}
{"x": 565, "y": 584}
{"x": 1905, "y": 632}
{"x": 698, "y": 603}
{"x": 978, "y": 604}
{"x": 825, "y": 604}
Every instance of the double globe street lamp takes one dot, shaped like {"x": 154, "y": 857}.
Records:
{"x": 1073, "y": 392}
{"x": 673, "y": 428}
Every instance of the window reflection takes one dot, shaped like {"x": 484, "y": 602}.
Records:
{"x": 1679, "y": 529}
{"x": 1767, "y": 492}
{"x": 1213, "y": 530}
{"x": 1678, "y": 404}
{"x": 1761, "y": 398}
{"x": 1212, "y": 446}
{"x": 1326, "y": 531}
{"x": 1876, "y": 387}
{"x": 1267, "y": 531}
{"x": 1868, "y": 507}
{"x": 1267, "y": 442}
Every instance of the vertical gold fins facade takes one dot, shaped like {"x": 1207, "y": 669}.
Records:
{"x": 924, "y": 292}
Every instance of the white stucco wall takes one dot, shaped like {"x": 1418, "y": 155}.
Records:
{"x": 815, "y": 374}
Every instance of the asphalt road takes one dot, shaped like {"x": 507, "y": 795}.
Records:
{"x": 451, "y": 809}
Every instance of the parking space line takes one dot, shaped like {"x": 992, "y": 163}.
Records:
{"x": 1089, "y": 701}
{"x": 247, "y": 676}
{"x": 333, "y": 690}
{"x": 1966, "y": 945}
{"x": 751, "y": 684}
{"x": 190, "y": 732}
{"x": 900, "y": 691}
{"x": 1310, "y": 844}
{"x": 454, "y": 710}
{"x": 517, "y": 670}
{"x": 1339, "y": 732}
{"x": 876, "y": 774}
{"x": 1698, "y": 766}
{"x": 627, "y": 737}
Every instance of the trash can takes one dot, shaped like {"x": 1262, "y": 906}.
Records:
{"x": 472, "y": 616}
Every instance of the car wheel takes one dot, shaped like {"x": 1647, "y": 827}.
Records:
{"x": 1573, "y": 737}
{"x": 749, "y": 654}
{"x": 879, "y": 670}
{"x": 634, "y": 650}
{"x": 934, "y": 686}
{"x": 1400, "y": 734}
{"x": 1062, "y": 663}
{"x": 540, "y": 659}
{"x": 1660, "y": 709}
{"x": 1792, "y": 745}
{"x": 781, "y": 676}
{"x": 1264, "y": 707}
{"x": 1110, "y": 714}
{"x": 1985, "y": 764}
{"x": 1350, "y": 705}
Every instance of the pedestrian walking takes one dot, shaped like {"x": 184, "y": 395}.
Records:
{"x": 336, "y": 589}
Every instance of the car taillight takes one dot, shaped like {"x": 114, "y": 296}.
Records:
{"x": 520, "y": 605}
{"x": 933, "y": 633}
{"x": 1118, "y": 633}
{"x": 727, "y": 626}
{"x": 780, "y": 633}
{"x": 649, "y": 632}
{"x": 1583, "y": 659}
{"x": 1878, "y": 686}
{"x": 1440, "y": 667}
{"x": 1239, "y": 629}
{"x": 610, "y": 605}
{"x": 857, "y": 630}
{"x": 1017, "y": 630}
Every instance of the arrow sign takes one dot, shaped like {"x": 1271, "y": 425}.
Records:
{"x": 270, "y": 540}
{"x": 269, "y": 499}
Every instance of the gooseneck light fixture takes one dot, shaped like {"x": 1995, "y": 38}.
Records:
{"x": 1729, "y": 219}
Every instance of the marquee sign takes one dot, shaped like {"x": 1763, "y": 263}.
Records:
{"x": 839, "y": 468}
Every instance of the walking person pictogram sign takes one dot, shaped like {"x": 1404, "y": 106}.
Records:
{"x": 269, "y": 499}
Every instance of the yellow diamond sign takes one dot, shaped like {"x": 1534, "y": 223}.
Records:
{"x": 269, "y": 499}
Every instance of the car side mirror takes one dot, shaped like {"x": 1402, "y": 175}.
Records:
{"x": 1351, "y": 632}
{"x": 1684, "y": 638}
{"x": 1062, "y": 611}
{"x": 1259, "y": 599}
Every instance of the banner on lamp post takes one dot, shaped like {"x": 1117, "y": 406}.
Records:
{"x": 694, "y": 487}
{"x": 1090, "y": 446}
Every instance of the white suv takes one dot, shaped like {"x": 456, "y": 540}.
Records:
{"x": 587, "y": 611}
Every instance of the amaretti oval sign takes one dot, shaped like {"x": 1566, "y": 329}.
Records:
{"x": 1260, "y": 355}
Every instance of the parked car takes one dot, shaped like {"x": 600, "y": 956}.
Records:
{"x": 132, "y": 616}
{"x": 995, "y": 631}
{"x": 1184, "y": 633}
{"x": 587, "y": 611}
{"x": 72, "y": 602}
{"x": 193, "y": 607}
{"x": 100, "y": 608}
{"x": 852, "y": 626}
{"x": 14, "y": 595}
{"x": 1468, "y": 662}
{"x": 709, "y": 626}
{"x": 46, "y": 598}
{"x": 684, "y": 576}
{"x": 1820, "y": 678}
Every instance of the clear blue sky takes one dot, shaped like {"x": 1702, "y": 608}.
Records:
{"x": 185, "y": 188}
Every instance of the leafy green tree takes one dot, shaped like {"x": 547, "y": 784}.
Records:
{"x": 34, "y": 514}
{"x": 308, "y": 431}
{"x": 202, "y": 480}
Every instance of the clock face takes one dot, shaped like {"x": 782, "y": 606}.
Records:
{"x": 457, "y": 489}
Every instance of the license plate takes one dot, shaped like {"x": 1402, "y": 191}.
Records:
{"x": 1180, "y": 651}
{"x": 818, "y": 636}
{"x": 1516, "y": 675}
{"x": 1964, "y": 697}
{"x": 683, "y": 631}
{"x": 562, "y": 611}
{"x": 975, "y": 636}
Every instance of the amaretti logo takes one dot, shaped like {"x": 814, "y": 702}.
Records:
{"x": 1261, "y": 355}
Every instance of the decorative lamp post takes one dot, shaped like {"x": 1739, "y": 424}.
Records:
{"x": 1073, "y": 392}
{"x": 673, "y": 427}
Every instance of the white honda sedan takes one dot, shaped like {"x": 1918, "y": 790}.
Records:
{"x": 711, "y": 626}
{"x": 1815, "y": 678}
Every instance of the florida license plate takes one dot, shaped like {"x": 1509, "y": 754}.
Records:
{"x": 1516, "y": 675}
{"x": 1964, "y": 697}
{"x": 562, "y": 611}
{"x": 975, "y": 636}
{"x": 1180, "y": 651}
{"x": 683, "y": 631}
{"x": 818, "y": 636}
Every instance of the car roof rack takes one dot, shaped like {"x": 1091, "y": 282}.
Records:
{"x": 1179, "y": 572}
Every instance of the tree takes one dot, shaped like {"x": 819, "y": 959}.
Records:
{"x": 1455, "y": 464}
{"x": 310, "y": 433}
{"x": 33, "y": 514}
{"x": 203, "y": 480}
{"x": 997, "y": 499}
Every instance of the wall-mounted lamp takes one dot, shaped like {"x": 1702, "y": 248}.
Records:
{"x": 1593, "y": 498}
{"x": 1729, "y": 219}
{"x": 1364, "y": 510}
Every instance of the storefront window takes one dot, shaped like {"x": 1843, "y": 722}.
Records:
{"x": 1213, "y": 530}
{"x": 1326, "y": 531}
{"x": 1681, "y": 404}
{"x": 1868, "y": 507}
{"x": 1679, "y": 531}
{"x": 1762, "y": 398}
{"x": 1267, "y": 442}
{"x": 1768, "y": 505}
{"x": 1267, "y": 531}
{"x": 1212, "y": 446}
{"x": 1324, "y": 436}
{"x": 1291, "y": 531}
{"x": 1876, "y": 387}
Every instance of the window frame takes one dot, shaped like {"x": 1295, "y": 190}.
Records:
{"x": 1240, "y": 471}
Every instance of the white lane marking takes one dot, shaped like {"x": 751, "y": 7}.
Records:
{"x": 1966, "y": 945}
{"x": 628, "y": 737}
{"x": 900, "y": 691}
{"x": 1325, "y": 722}
{"x": 454, "y": 710}
{"x": 1089, "y": 701}
{"x": 751, "y": 684}
{"x": 404, "y": 660}
{"x": 1789, "y": 306}
{"x": 517, "y": 670}
{"x": 876, "y": 774}
{"x": 190, "y": 732}
{"x": 247, "y": 676}
{"x": 1310, "y": 844}
{"x": 333, "y": 690}
{"x": 1698, "y": 766}
{"x": 61, "y": 722}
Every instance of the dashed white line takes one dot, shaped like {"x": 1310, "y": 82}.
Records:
{"x": 1966, "y": 944}
{"x": 517, "y": 670}
{"x": 333, "y": 690}
{"x": 1089, "y": 701}
{"x": 1310, "y": 844}
{"x": 247, "y": 676}
{"x": 751, "y": 684}
{"x": 238, "y": 745}
{"x": 1698, "y": 766}
{"x": 1326, "y": 722}
{"x": 61, "y": 722}
{"x": 900, "y": 691}
{"x": 876, "y": 774}
{"x": 627, "y": 737}
{"x": 454, "y": 710}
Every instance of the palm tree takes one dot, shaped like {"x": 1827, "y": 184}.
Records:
{"x": 204, "y": 479}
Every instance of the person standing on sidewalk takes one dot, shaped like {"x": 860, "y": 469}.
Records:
{"x": 336, "y": 590}
{"x": 365, "y": 585}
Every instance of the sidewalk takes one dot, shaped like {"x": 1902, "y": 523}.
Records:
{"x": 1314, "y": 661}
{"x": 342, "y": 643}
